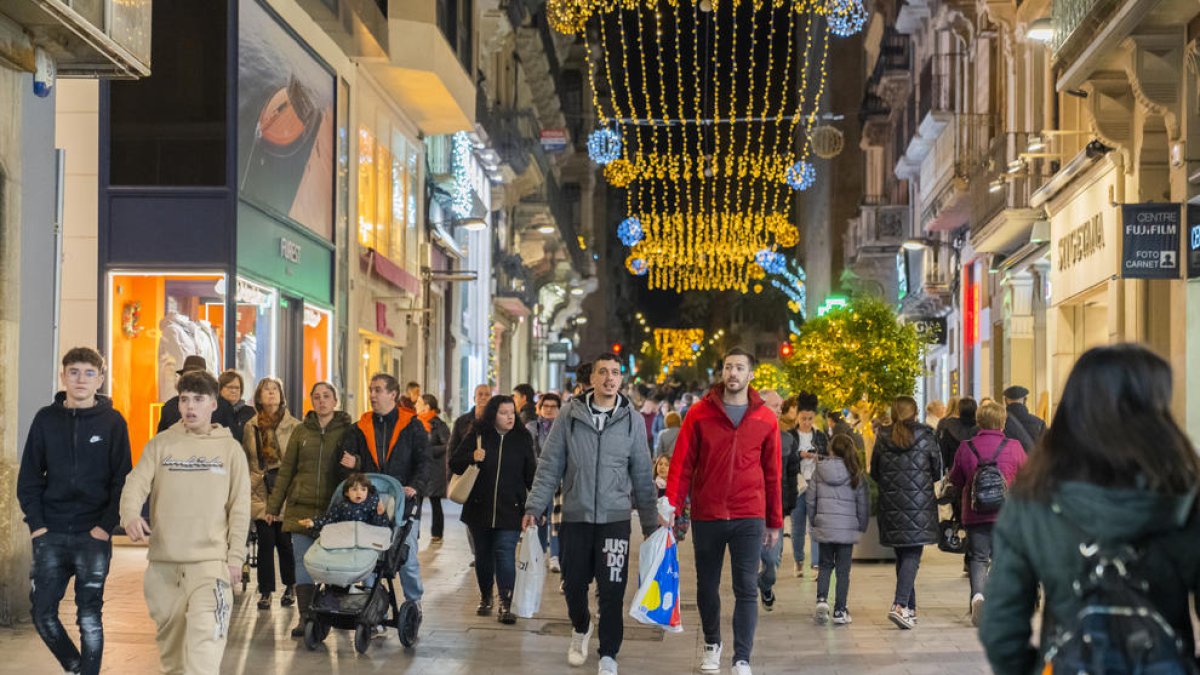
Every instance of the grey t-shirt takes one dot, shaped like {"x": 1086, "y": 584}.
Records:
{"x": 736, "y": 412}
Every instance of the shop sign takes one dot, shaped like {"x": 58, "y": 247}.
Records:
{"x": 1081, "y": 243}
{"x": 1193, "y": 265}
{"x": 289, "y": 250}
{"x": 1151, "y": 237}
{"x": 554, "y": 140}
{"x": 931, "y": 329}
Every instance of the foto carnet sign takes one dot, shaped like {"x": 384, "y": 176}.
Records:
{"x": 1151, "y": 237}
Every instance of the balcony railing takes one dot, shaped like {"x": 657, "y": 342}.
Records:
{"x": 937, "y": 89}
{"x": 1076, "y": 22}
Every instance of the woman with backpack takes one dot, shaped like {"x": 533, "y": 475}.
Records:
{"x": 839, "y": 506}
{"x": 905, "y": 464}
{"x": 984, "y": 467}
{"x": 1112, "y": 487}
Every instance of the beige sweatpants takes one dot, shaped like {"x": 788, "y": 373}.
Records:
{"x": 190, "y": 604}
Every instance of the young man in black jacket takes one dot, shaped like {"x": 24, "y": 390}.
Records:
{"x": 72, "y": 472}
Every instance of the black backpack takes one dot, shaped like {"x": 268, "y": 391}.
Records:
{"x": 989, "y": 488}
{"x": 1117, "y": 629}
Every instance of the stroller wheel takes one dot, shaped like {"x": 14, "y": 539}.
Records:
{"x": 362, "y": 638}
{"x": 408, "y": 623}
{"x": 314, "y": 633}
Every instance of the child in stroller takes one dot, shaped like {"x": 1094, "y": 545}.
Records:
{"x": 354, "y": 547}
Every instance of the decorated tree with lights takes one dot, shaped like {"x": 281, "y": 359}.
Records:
{"x": 854, "y": 355}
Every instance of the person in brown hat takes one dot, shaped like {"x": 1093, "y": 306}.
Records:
{"x": 1022, "y": 425}
{"x": 225, "y": 415}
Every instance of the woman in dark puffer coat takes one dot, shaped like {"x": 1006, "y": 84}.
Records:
{"x": 905, "y": 464}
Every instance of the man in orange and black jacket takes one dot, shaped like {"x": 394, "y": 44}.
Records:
{"x": 391, "y": 439}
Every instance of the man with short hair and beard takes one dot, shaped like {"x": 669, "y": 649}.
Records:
{"x": 727, "y": 460}
{"x": 600, "y": 441}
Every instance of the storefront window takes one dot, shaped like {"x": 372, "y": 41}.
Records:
{"x": 387, "y": 190}
{"x": 375, "y": 356}
{"x": 317, "y": 350}
{"x": 156, "y": 321}
{"x": 256, "y": 333}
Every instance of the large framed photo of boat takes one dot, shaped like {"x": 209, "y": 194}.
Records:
{"x": 286, "y": 142}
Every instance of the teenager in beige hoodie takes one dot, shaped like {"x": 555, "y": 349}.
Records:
{"x": 196, "y": 477}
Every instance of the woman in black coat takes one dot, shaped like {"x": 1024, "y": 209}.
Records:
{"x": 503, "y": 451}
{"x": 905, "y": 464}
{"x": 439, "y": 435}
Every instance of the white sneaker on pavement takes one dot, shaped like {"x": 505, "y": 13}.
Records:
{"x": 741, "y": 668}
{"x": 577, "y": 654}
{"x": 711, "y": 661}
{"x": 821, "y": 615}
{"x": 608, "y": 666}
{"x": 554, "y": 567}
{"x": 976, "y": 608}
{"x": 901, "y": 617}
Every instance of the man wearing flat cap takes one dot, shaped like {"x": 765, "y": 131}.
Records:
{"x": 225, "y": 414}
{"x": 1021, "y": 424}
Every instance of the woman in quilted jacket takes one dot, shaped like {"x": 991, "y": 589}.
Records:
{"x": 905, "y": 464}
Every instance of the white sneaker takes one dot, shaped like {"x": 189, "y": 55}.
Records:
{"x": 711, "y": 662}
{"x": 741, "y": 668}
{"x": 976, "y": 609}
{"x": 902, "y": 618}
{"x": 554, "y": 567}
{"x": 608, "y": 666}
{"x": 577, "y": 654}
{"x": 821, "y": 616}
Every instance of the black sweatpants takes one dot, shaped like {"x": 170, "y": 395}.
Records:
{"x": 744, "y": 538}
{"x": 588, "y": 551}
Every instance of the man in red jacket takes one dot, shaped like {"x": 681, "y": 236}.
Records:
{"x": 727, "y": 459}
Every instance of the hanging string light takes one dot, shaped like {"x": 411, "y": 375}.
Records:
{"x": 846, "y": 17}
{"x": 802, "y": 175}
{"x": 604, "y": 145}
{"x": 677, "y": 347}
{"x": 630, "y": 231}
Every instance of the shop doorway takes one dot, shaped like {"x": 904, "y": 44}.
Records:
{"x": 290, "y": 364}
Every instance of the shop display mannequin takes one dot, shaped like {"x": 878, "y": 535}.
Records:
{"x": 177, "y": 342}
{"x": 209, "y": 346}
{"x": 247, "y": 357}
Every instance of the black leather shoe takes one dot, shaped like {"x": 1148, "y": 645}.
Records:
{"x": 506, "y": 616}
{"x": 264, "y": 601}
{"x": 485, "y": 607}
{"x": 288, "y": 598}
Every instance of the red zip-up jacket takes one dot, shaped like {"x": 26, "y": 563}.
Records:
{"x": 728, "y": 473}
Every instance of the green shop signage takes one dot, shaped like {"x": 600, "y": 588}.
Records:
{"x": 291, "y": 258}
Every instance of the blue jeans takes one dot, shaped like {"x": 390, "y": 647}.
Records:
{"x": 300, "y": 545}
{"x": 495, "y": 560}
{"x": 771, "y": 558}
{"x": 799, "y": 530}
{"x": 410, "y": 571}
{"x": 56, "y": 558}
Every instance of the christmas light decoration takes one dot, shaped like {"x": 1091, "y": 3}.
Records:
{"x": 677, "y": 347}
{"x": 604, "y": 145}
{"x": 771, "y": 261}
{"x": 636, "y": 266}
{"x": 846, "y": 17}
{"x": 462, "y": 199}
{"x": 802, "y": 175}
{"x": 630, "y": 231}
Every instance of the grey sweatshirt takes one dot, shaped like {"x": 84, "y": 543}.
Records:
{"x": 604, "y": 474}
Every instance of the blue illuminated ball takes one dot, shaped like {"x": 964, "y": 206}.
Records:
{"x": 604, "y": 145}
{"x": 630, "y": 231}
{"x": 802, "y": 175}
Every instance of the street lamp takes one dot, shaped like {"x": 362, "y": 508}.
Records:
{"x": 1041, "y": 30}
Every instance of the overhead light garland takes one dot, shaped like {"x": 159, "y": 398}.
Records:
{"x": 604, "y": 145}
{"x": 462, "y": 200}
{"x": 677, "y": 347}
{"x": 630, "y": 231}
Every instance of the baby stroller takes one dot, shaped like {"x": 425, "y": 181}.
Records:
{"x": 350, "y": 554}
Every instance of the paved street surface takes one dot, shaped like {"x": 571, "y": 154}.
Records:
{"x": 454, "y": 641}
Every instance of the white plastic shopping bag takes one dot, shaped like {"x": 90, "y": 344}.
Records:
{"x": 531, "y": 575}
{"x": 657, "y": 599}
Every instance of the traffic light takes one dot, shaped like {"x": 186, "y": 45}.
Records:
{"x": 616, "y": 348}
{"x": 785, "y": 350}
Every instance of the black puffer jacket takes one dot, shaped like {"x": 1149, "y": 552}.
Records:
{"x": 505, "y": 477}
{"x": 439, "y": 437}
{"x": 907, "y": 507}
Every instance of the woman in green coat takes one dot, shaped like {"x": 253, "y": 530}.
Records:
{"x": 312, "y": 468}
{"x": 1114, "y": 469}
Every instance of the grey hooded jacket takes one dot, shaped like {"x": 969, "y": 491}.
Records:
{"x": 604, "y": 474}
{"x": 839, "y": 513}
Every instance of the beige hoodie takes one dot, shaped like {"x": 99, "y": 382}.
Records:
{"x": 199, "y": 489}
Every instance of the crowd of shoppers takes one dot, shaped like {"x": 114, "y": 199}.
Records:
{"x": 1114, "y": 471}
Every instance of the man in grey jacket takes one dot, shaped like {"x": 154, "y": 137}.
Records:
{"x": 597, "y": 450}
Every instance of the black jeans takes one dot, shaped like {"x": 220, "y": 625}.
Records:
{"x": 979, "y": 555}
{"x": 56, "y": 558}
{"x": 744, "y": 538}
{"x": 270, "y": 538}
{"x": 495, "y": 559}
{"x": 908, "y": 561}
{"x": 835, "y": 556}
{"x": 437, "y": 526}
{"x": 601, "y": 552}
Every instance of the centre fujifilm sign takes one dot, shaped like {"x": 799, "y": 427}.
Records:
{"x": 1151, "y": 236}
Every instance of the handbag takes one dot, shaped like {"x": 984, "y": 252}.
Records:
{"x": 461, "y": 484}
{"x": 801, "y": 484}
